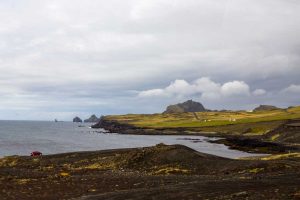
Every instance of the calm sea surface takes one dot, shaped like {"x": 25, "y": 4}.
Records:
{"x": 23, "y": 137}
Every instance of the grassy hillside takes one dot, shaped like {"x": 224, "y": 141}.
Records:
{"x": 211, "y": 121}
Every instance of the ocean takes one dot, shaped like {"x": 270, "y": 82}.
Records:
{"x": 23, "y": 137}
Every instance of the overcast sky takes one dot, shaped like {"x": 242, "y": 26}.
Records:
{"x": 61, "y": 58}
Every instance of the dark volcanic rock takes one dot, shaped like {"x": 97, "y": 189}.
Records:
{"x": 266, "y": 108}
{"x": 160, "y": 172}
{"x": 113, "y": 126}
{"x": 92, "y": 119}
{"x": 254, "y": 145}
{"x": 289, "y": 132}
{"x": 77, "y": 119}
{"x": 188, "y": 106}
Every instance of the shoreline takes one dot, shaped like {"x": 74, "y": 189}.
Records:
{"x": 243, "y": 143}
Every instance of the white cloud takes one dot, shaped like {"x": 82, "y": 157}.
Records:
{"x": 152, "y": 93}
{"x": 203, "y": 86}
{"x": 259, "y": 92}
{"x": 180, "y": 87}
{"x": 235, "y": 88}
{"x": 292, "y": 89}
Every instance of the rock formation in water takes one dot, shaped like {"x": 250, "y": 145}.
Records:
{"x": 266, "y": 108}
{"x": 188, "y": 106}
{"x": 92, "y": 119}
{"x": 77, "y": 119}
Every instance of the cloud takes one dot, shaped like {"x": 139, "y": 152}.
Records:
{"x": 292, "y": 89}
{"x": 235, "y": 88}
{"x": 176, "y": 88}
{"x": 259, "y": 92}
{"x": 203, "y": 87}
{"x": 180, "y": 87}
{"x": 152, "y": 93}
{"x": 97, "y": 51}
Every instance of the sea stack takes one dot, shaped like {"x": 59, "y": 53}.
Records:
{"x": 188, "y": 106}
{"x": 77, "y": 119}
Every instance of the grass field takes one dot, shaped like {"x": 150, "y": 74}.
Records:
{"x": 207, "y": 120}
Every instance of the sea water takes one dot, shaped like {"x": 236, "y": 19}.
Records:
{"x": 23, "y": 137}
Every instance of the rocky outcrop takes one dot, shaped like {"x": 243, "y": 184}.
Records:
{"x": 266, "y": 108}
{"x": 253, "y": 145}
{"x": 188, "y": 106}
{"x": 289, "y": 132}
{"x": 77, "y": 119}
{"x": 92, "y": 119}
{"x": 113, "y": 126}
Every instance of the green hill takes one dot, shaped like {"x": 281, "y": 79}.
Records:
{"x": 257, "y": 122}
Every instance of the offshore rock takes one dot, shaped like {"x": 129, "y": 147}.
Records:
{"x": 77, "y": 119}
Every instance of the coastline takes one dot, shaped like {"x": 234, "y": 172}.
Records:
{"x": 53, "y": 138}
{"x": 254, "y": 144}
{"x": 115, "y": 127}
{"x": 161, "y": 171}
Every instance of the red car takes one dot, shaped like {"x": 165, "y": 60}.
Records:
{"x": 36, "y": 153}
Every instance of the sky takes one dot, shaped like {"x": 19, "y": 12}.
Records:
{"x": 66, "y": 58}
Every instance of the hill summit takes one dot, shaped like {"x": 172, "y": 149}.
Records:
{"x": 266, "y": 108}
{"x": 188, "y": 106}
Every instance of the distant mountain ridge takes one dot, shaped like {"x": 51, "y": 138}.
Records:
{"x": 188, "y": 106}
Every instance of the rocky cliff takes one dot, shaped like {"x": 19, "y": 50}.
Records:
{"x": 114, "y": 126}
